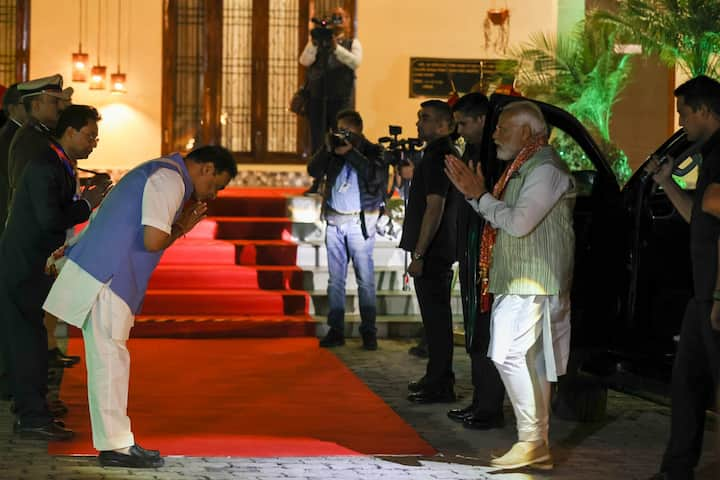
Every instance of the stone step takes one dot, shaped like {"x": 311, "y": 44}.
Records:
{"x": 314, "y": 254}
{"x": 386, "y": 278}
{"x": 388, "y": 326}
{"x": 388, "y": 303}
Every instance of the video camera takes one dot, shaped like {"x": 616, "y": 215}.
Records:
{"x": 400, "y": 152}
{"x": 323, "y": 32}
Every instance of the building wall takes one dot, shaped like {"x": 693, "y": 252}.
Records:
{"x": 392, "y": 32}
{"x": 130, "y": 130}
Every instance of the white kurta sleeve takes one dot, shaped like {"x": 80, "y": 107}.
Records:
{"x": 162, "y": 198}
{"x": 542, "y": 189}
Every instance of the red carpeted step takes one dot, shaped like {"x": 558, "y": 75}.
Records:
{"x": 194, "y": 251}
{"x": 205, "y": 230}
{"x": 253, "y": 228}
{"x": 226, "y": 276}
{"x": 265, "y": 252}
{"x": 244, "y": 206}
{"x": 156, "y": 326}
{"x": 226, "y": 302}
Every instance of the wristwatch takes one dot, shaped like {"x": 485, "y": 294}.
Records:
{"x": 416, "y": 256}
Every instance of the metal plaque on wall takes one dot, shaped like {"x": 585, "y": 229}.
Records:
{"x": 439, "y": 77}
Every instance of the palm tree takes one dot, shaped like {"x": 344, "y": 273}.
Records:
{"x": 581, "y": 73}
{"x": 683, "y": 32}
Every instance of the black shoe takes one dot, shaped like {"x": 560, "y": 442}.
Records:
{"x": 334, "y": 338}
{"x": 137, "y": 458}
{"x": 480, "y": 421}
{"x": 419, "y": 350}
{"x": 369, "y": 341}
{"x": 57, "y": 359}
{"x": 49, "y": 432}
{"x": 148, "y": 452}
{"x": 441, "y": 395}
{"x": 460, "y": 414}
{"x": 417, "y": 385}
{"x": 57, "y": 408}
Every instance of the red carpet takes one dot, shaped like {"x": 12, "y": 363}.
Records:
{"x": 234, "y": 274}
{"x": 244, "y": 398}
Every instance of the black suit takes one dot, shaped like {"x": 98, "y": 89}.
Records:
{"x": 30, "y": 141}
{"x": 6, "y": 135}
{"x": 7, "y": 132}
{"x": 43, "y": 209}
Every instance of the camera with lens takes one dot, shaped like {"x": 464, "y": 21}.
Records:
{"x": 339, "y": 136}
{"x": 400, "y": 152}
{"x": 323, "y": 32}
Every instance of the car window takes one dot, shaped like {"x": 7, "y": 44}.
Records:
{"x": 688, "y": 181}
{"x": 574, "y": 156}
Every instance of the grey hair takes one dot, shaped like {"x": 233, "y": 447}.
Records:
{"x": 529, "y": 114}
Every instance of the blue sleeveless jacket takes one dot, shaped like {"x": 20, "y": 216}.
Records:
{"x": 113, "y": 247}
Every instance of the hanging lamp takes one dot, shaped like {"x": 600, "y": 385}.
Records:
{"x": 80, "y": 59}
{"x": 118, "y": 79}
{"x": 98, "y": 74}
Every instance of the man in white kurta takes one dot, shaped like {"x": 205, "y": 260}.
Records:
{"x": 530, "y": 272}
{"x": 105, "y": 311}
{"x": 81, "y": 300}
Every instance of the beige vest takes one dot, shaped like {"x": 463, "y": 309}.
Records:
{"x": 541, "y": 262}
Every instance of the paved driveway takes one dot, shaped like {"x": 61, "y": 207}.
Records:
{"x": 627, "y": 445}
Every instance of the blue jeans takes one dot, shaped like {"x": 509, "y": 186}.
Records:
{"x": 345, "y": 242}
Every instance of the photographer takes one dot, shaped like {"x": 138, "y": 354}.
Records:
{"x": 356, "y": 181}
{"x": 331, "y": 58}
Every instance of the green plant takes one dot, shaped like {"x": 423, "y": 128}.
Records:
{"x": 683, "y": 32}
{"x": 581, "y": 73}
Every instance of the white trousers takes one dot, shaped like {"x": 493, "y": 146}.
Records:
{"x": 522, "y": 321}
{"x": 105, "y": 333}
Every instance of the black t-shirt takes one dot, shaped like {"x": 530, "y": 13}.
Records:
{"x": 429, "y": 178}
{"x": 705, "y": 228}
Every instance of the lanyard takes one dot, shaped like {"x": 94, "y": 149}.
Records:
{"x": 63, "y": 156}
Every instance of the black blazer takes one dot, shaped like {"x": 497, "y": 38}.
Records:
{"x": 43, "y": 209}
{"x": 6, "y": 135}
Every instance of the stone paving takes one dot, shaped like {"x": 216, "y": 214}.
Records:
{"x": 626, "y": 445}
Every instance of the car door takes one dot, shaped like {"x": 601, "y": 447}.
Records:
{"x": 658, "y": 261}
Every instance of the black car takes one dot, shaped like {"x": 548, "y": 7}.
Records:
{"x": 632, "y": 275}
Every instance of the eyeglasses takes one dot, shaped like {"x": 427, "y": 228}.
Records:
{"x": 91, "y": 138}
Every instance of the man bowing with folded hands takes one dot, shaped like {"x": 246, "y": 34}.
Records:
{"x": 107, "y": 268}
